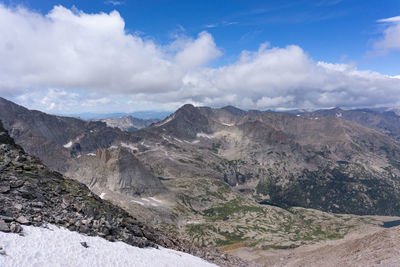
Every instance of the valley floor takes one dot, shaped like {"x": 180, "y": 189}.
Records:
{"x": 54, "y": 246}
{"x": 368, "y": 246}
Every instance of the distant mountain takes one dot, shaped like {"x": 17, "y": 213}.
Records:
{"x": 145, "y": 115}
{"x": 128, "y": 123}
{"x": 384, "y": 120}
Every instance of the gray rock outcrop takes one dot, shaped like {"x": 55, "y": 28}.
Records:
{"x": 117, "y": 170}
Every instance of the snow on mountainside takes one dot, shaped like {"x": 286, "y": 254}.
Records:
{"x": 60, "y": 247}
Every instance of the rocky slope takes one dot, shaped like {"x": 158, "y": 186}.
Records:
{"x": 384, "y": 121}
{"x": 30, "y": 193}
{"x": 117, "y": 170}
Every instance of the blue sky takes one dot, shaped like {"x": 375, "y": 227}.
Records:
{"x": 349, "y": 34}
{"x": 328, "y": 30}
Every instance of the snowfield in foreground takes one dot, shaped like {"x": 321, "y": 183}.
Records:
{"x": 60, "y": 247}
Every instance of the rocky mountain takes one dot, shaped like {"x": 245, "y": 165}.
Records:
{"x": 386, "y": 121}
{"x": 31, "y": 194}
{"x": 117, "y": 170}
{"x": 55, "y": 139}
{"x": 128, "y": 123}
{"x": 325, "y": 163}
{"x": 61, "y": 141}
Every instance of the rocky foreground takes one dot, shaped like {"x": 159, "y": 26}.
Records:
{"x": 31, "y": 194}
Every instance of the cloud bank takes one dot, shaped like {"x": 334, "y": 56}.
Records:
{"x": 69, "y": 61}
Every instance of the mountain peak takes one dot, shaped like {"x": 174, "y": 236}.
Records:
{"x": 234, "y": 110}
{"x": 186, "y": 108}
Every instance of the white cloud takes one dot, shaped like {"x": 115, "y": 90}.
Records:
{"x": 391, "y": 35}
{"x": 198, "y": 52}
{"x": 392, "y": 19}
{"x": 69, "y": 61}
{"x": 76, "y": 50}
{"x": 114, "y": 3}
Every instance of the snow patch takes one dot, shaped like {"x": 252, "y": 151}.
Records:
{"x": 102, "y": 195}
{"x": 143, "y": 144}
{"x": 68, "y": 145}
{"x": 193, "y": 222}
{"x": 339, "y": 115}
{"x": 113, "y": 147}
{"x": 91, "y": 154}
{"x": 60, "y": 247}
{"x": 228, "y": 124}
{"x": 170, "y": 118}
{"x": 149, "y": 201}
{"x": 138, "y": 202}
{"x": 204, "y": 135}
{"x": 129, "y": 146}
{"x": 156, "y": 200}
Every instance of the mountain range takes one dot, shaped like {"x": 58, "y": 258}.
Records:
{"x": 225, "y": 176}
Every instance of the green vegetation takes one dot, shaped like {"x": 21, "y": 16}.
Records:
{"x": 229, "y": 208}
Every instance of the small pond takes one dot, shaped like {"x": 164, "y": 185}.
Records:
{"x": 391, "y": 224}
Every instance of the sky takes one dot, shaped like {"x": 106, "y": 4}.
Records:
{"x": 66, "y": 57}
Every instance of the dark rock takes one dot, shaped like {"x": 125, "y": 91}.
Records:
{"x": 2, "y": 252}
{"x": 26, "y": 193}
{"x": 4, "y": 189}
{"x": 4, "y": 226}
{"x": 23, "y": 220}
{"x": 18, "y": 206}
{"x": 37, "y": 204}
{"x": 15, "y": 227}
{"x": 84, "y": 244}
{"x": 84, "y": 229}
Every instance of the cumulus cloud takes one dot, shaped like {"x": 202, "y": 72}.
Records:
{"x": 69, "y": 61}
{"x": 391, "y": 35}
{"x": 197, "y": 52}
{"x": 70, "y": 50}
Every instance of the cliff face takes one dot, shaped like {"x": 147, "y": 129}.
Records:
{"x": 117, "y": 170}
